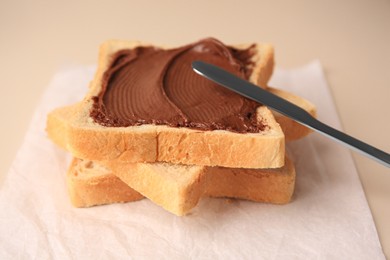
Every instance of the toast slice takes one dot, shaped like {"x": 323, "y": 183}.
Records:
{"x": 176, "y": 188}
{"x": 59, "y": 123}
{"x": 90, "y": 184}
{"x": 86, "y": 139}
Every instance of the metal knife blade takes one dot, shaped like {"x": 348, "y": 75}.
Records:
{"x": 251, "y": 91}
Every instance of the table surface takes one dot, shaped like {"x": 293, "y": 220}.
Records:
{"x": 350, "y": 38}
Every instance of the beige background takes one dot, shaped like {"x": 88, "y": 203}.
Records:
{"x": 350, "y": 38}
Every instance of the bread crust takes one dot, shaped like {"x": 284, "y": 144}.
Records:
{"x": 149, "y": 143}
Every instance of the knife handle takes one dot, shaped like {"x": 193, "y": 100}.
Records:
{"x": 357, "y": 145}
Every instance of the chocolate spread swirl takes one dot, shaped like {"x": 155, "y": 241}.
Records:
{"x": 149, "y": 85}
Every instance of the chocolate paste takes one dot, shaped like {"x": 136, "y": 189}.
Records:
{"x": 149, "y": 85}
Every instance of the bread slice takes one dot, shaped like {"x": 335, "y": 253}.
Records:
{"x": 91, "y": 184}
{"x": 87, "y": 139}
{"x": 176, "y": 188}
{"x": 59, "y": 123}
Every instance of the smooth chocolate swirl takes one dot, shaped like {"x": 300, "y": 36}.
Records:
{"x": 148, "y": 85}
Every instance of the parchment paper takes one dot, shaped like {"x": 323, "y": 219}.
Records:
{"x": 328, "y": 218}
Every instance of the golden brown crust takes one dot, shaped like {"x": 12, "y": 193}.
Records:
{"x": 264, "y": 70}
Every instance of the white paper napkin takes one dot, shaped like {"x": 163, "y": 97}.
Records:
{"x": 328, "y": 218}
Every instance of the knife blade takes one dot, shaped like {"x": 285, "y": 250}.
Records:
{"x": 251, "y": 91}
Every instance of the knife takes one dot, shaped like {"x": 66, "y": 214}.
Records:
{"x": 251, "y": 91}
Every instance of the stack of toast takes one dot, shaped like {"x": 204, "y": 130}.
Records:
{"x": 175, "y": 166}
